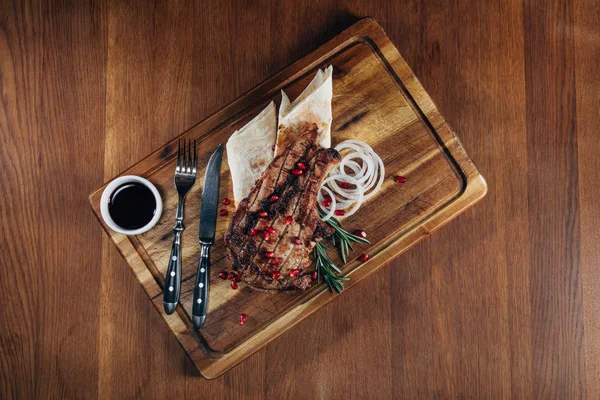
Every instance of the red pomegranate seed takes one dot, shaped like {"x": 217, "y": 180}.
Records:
{"x": 237, "y": 277}
{"x": 326, "y": 203}
{"x": 266, "y": 235}
{"x": 345, "y": 185}
{"x": 269, "y": 254}
{"x": 273, "y": 147}
{"x": 252, "y": 232}
{"x": 364, "y": 257}
{"x": 226, "y": 201}
{"x": 400, "y": 179}
{"x": 263, "y": 214}
{"x": 288, "y": 220}
{"x": 274, "y": 198}
{"x": 339, "y": 213}
{"x": 242, "y": 319}
{"x": 360, "y": 233}
{"x": 314, "y": 276}
{"x": 297, "y": 171}
{"x": 275, "y": 261}
{"x": 271, "y": 230}
{"x": 230, "y": 276}
{"x": 223, "y": 213}
{"x": 327, "y": 198}
{"x": 301, "y": 166}
{"x": 223, "y": 275}
{"x": 294, "y": 273}
{"x": 296, "y": 241}
{"x": 276, "y": 275}
{"x": 233, "y": 285}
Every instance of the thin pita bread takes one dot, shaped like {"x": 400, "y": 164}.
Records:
{"x": 250, "y": 150}
{"x": 312, "y": 106}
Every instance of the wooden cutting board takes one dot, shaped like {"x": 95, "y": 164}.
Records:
{"x": 376, "y": 99}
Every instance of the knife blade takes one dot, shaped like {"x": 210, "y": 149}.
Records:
{"x": 206, "y": 235}
{"x": 210, "y": 197}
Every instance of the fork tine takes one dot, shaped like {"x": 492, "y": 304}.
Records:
{"x": 186, "y": 150}
{"x": 189, "y": 166}
{"x": 178, "y": 154}
{"x": 186, "y": 155}
{"x": 195, "y": 157}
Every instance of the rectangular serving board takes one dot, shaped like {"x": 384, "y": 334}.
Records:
{"x": 376, "y": 99}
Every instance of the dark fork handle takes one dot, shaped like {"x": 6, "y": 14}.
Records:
{"x": 200, "y": 306}
{"x": 173, "y": 277}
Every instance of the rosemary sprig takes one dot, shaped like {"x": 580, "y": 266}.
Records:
{"x": 342, "y": 238}
{"x": 326, "y": 269}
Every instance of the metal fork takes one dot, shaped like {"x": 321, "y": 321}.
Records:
{"x": 185, "y": 176}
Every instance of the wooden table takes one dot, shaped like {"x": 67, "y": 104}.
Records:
{"x": 503, "y": 302}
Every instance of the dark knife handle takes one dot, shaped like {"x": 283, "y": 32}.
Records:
{"x": 173, "y": 277}
{"x": 200, "y": 306}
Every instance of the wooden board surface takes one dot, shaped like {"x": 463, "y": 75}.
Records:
{"x": 378, "y": 100}
{"x": 88, "y": 88}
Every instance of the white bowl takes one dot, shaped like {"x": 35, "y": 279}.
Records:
{"x": 106, "y": 198}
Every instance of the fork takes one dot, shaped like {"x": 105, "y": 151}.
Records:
{"x": 185, "y": 176}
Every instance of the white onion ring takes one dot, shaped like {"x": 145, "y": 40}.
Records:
{"x": 367, "y": 177}
{"x": 320, "y": 199}
{"x": 354, "y": 199}
{"x": 356, "y": 145}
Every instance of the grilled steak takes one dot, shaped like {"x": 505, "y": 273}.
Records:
{"x": 274, "y": 229}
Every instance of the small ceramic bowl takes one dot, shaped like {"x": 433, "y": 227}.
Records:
{"x": 108, "y": 191}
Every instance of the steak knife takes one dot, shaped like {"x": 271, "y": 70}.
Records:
{"x": 208, "y": 222}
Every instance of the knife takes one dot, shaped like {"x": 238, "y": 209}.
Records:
{"x": 208, "y": 222}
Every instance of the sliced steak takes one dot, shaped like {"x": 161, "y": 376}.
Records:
{"x": 274, "y": 229}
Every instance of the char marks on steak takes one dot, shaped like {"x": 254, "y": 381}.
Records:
{"x": 275, "y": 260}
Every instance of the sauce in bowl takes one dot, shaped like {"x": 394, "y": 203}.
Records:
{"x": 132, "y": 205}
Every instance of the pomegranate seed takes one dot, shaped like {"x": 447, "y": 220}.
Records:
{"x": 294, "y": 273}
{"x": 271, "y": 230}
{"x": 266, "y": 235}
{"x": 223, "y": 275}
{"x": 242, "y": 319}
{"x": 269, "y": 254}
{"x": 223, "y": 213}
{"x": 273, "y": 147}
{"x": 226, "y": 201}
{"x": 326, "y": 203}
{"x": 276, "y": 275}
{"x": 345, "y": 185}
{"x": 237, "y": 277}
{"x": 252, "y": 232}
{"x": 339, "y": 213}
{"x": 364, "y": 257}
{"x": 400, "y": 179}
{"x": 274, "y": 198}
{"x": 327, "y": 198}
{"x": 301, "y": 166}
{"x": 296, "y": 241}
{"x": 275, "y": 261}
{"x": 263, "y": 214}
{"x": 314, "y": 276}
{"x": 297, "y": 172}
{"x": 361, "y": 233}
{"x": 230, "y": 276}
{"x": 233, "y": 285}
{"x": 288, "y": 220}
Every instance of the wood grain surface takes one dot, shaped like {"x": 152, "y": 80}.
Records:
{"x": 378, "y": 100}
{"x": 501, "y": 303}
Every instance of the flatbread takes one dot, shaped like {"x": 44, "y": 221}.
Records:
{"x": 250, "y": 150}
{"x": 313, "y": 106}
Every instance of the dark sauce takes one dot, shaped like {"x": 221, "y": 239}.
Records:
{"x": 132, "y": 205}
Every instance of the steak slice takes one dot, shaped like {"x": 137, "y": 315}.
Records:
{"x": 280, "y": 260}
